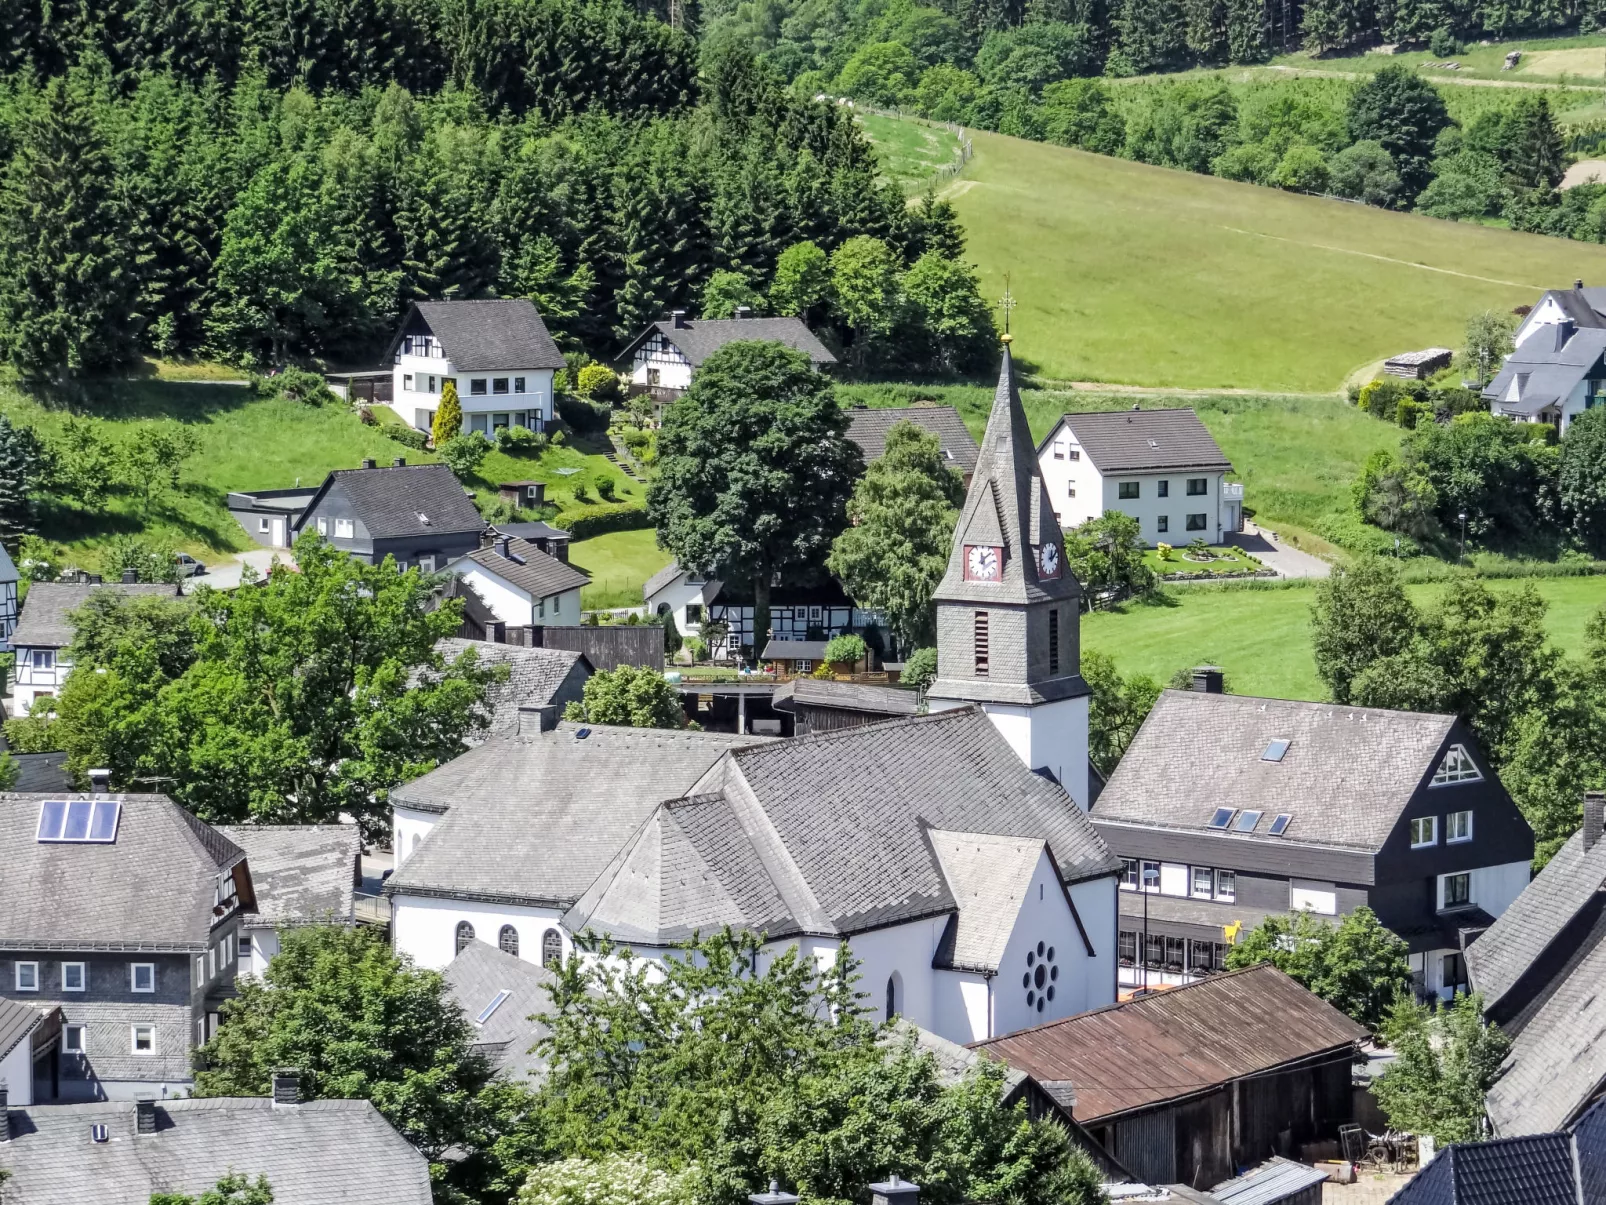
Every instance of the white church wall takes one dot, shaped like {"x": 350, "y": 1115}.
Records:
{"x": 425, "y": 927}
{"x": 1097, "y": 903}
{"x": 1052, "y": 735}
{"x": 1045, "y": 921}
{"x": 408, "y": 828}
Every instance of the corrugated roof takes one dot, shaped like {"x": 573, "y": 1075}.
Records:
{"x": 44, "y": 622}
{"x": 529, "y": 569}
{"x": 868, "y": 428}
{"x": 303, "y": 874}
{"x": 700, "y": 338}
{"x": 485, "y": 335}
{"x": 1275, "y": 1180}
{"x": 1135, "y": 441}
{"x": 1178, "y": 1042}
{"x": 402, "y": 500}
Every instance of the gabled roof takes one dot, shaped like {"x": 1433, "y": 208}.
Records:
{"x": 1144, "y": 441}
{"x": 533, "y": 530}
{"x": 485, "y": 335}
{"x": 1275, "y": 1180}
{"x": 154, "y": 886}
{"x": 325, "y": 1152}
{"x": 529, "y": 569}
{"x": 1539, "y": 373}
{"x": 17, "y": 1021}
{"x": 398, "y": 501}
{"x": 868, "y": 428}
{"x": 507, "y": 1037}
{"x": 1536, "y": 1170}
{"x": 988, "y": 877}
{"x": 1007, "y": 505}
{"x": 1345, "y": 778}
{"x": 303, "y": 874}
{"x": 536, "y": 676}
{"x": 44, "y": 623}
{"x": 537, "y": 817}
{"x": 8, "y": 568}
{"x": 1175, "y": 1043}
{"x": 697, "y": 339}
{"x": 793, "y": 650}
{"x": 845, "y": 696}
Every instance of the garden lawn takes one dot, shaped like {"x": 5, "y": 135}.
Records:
{"x": 911, "y": 151}
{"x": 1143, "y": 275}
{"x": 619, "y": 562}
{"x": 1228, "y": 560}
{"x": 1261, "y": 636}
{"x": 247, "y": 443}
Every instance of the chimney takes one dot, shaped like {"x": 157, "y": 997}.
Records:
{"x": 5, "y": 1117}
{"x": 399, "y": 463}
{"x": 1594, "y": 817}
{"x": 1207, "y": 680}
{"x": 368, "y": 462}
{"x": 895, "y": 1192}
{"x": 145, "y": 1115}
{"x": 286, "y": 1087}
{"x": 678, "y": 318}
{"x": 1579, "y": 284}
{"x": 100, "y": 781}
{"x": 773, "y": 1197}
{"x": 743, "y": 311}
{"x": 504, "y": 548}
{"x": 130, "y": 576}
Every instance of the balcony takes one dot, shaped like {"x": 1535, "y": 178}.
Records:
{"x": 1232, "y": 491}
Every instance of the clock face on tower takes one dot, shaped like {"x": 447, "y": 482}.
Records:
{"x": 982, "y": 564}
{"x": 1048, "y": 560}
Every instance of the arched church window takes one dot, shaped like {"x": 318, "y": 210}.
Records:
{"x": 508, "y": 940}
{"x": 551, "y": 948}
{"x": 465, "y": 934}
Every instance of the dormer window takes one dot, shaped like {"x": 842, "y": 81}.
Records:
{"x": 1457, "y": 766}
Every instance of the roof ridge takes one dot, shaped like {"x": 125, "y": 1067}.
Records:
{"x": 1309, "y": 704}
{"x": 820, "y": 738}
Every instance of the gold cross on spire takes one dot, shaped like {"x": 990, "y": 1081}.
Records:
{"x": 1006, "y": 303}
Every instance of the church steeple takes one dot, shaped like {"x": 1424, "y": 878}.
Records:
{"x": 1009, "y": 608}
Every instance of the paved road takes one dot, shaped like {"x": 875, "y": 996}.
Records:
{"x": 1277, "y": 556}
{"x": 225, "y": 574}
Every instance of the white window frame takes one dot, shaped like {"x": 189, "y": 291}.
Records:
{"x": 407, "y": 382}
{"x": 1451, "y": 826}
{"x": 133, "y": 978}
{"x": 263, "y": 526}
{"x": 44, "y": 659}
{"x": 1074, "y": 453}
{"x": 345, "y": 529}
{"x": 1466, "y": 771}
{"x": 69, "y": 1043}
{"x": 1227, "y": 886}
{"x": 1209, "y": 891}
{"x": 1143, "y": 865}
{"x": 1129, "y": 874}
{"x": 1432, "y": 838}
{"x": 133, "y": 1039}
{"x": 323, "y": 526}
{"x": 200, "y": 970}
{"x": 83, "y": 977}
{"x": 1444, "y": 892}
{"x": 32, "y": 969}
{"x": 1059, "y": 449}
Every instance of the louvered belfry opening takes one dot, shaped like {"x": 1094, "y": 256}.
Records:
{"x": 981, "y": 644}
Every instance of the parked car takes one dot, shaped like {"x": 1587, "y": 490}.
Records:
{"x": 188, "y": 566}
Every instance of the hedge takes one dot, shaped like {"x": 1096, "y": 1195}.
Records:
{"x": 583, "y": 522}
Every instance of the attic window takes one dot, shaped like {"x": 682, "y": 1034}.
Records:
{"x": 1457, "y": 766}
{"x": 1154, "y": 443}
{"x": 423, "y": 518}
{"x": 1279, "y": 826}
{"x": 1247, "y": 820}
{"x": 79, "y": 821}
{"x": 496, "y": 1003}
{"x": 1275, "y": 750}
{"x": 1223, "y": 817}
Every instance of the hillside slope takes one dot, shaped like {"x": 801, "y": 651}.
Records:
{"x": 1142, "y": 275}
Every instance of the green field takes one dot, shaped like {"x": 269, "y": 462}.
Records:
{"x": 1261, "y": 637}
{"x": 1579, "y": 60}
{"x": 911, "y": 151}
{"x": 1142, "y": 275}
{"x": 246, "y": 443}
{"x": 619, "y": 564}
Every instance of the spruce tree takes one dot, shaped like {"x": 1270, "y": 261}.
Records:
{"x": 21, "y": 466}
{"x": 68, "y": 287}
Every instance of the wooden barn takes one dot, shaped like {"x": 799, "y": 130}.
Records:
{"x": 821, "y": 706}
{"x": 1193, "y": 1084}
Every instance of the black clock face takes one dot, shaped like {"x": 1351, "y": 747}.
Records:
{"x": 1048, "y": 560}
{"x": 982, "y": 563}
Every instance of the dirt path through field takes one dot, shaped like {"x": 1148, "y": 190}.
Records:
{"x": 1439, "y": 78}
{"x": 1387, "y": 259}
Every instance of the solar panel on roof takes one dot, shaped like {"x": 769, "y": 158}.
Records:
{"x": 78, "y": 821}
{"x": 1275, "y": 750}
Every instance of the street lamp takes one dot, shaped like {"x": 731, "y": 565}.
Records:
{"x": 1149, "y": 875}
{"x": 1463, "y": 517}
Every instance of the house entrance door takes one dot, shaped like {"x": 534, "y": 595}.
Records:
{"x": 277, "y": 536}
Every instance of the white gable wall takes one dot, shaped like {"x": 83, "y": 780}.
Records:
{"x": 659, "y": 364}
{"x": 16, "y": 1074}
{"x": 408, "y": 828}
{"x": 677, "y": 596}
{"x": 1045, "y": 918}
{"x": 1075, "y": 486}
{"x": 425, "y": 927}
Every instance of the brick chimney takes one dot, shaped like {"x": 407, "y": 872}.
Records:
{"x": 1207, "y": 680}
{"x": 145, "y": 1115}
{"x": 895, "y": 1192}
{"x": 399, "y": 463}
{"x": 1594, "y": 817}
{"x": 368, "y": 462}
{"x": 286, "y": 1087}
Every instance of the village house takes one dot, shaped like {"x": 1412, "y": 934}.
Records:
{"x": 497, "y": 352}
{"x": 540, "y": 683}
{"x": 418, "y": 513}
{"x": 504, "y": 998}
{"x": 1159, "y": 466}
{"x": 125, "y": 1152}
{"x": 9, "y": 607}
{"x": 935, "y": 845}
{"x": 1228, "y": 809}
{"x": 797, "y": 613}
{"x": 123, "y": 912}
{"x": 45, "y": 631}
{"x": 868, "y": 427}
{"x": 663, "y": 358}
{"x": 522, "y": 585}
{"x": 302, "y": 874}
{"x": 1556, "y": 371}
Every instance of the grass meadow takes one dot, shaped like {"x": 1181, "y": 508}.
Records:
{"x": 619, "y": 563}
{"x": 911, "y": 151}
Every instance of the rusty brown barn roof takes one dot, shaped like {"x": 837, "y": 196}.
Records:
{"x": 1178, "y": 1042}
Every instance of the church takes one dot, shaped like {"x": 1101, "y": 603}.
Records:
{"x": 950, "y": 851}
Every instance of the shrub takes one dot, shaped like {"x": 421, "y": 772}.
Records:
{"x": 448, "y": 422}
{"x": 598, "y": 383}
{"x": 605, "y": 488}
{"x": 520, "y": 441}
{"x": 1407, "y": 411}
{"x": 151, "y": 561}
{"x": 294, "y": 385}
{"x": 1442, "y": 44}
{"x": 610, "y": 1180}
{"x": 411, "y": 437}
{"x": 366, "y": 417}
{"x": 584, "y": 522}
{"x": 847, "y": 648}
{"x": 920, "y": 670}
{"x": 464, "y": 453}
{"x": 1165, "y": 551}
{"x": 557, "y": 439}
{"x": 698, "y": 647}
{"x": 581, "y": 416}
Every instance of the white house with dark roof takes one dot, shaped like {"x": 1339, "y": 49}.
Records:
{"x": 498, "y": 352}
{"x": 302, "y": 874}
{"x": 668, "y": 354}
{"x": 43, "y": 634}
{"x": 29, "y": 1034}
{"x": 522, "y": 585}
{"x": 1557, "y": 370}
{"x": 1159, "y": 466}
{"x": 418, "y": 513}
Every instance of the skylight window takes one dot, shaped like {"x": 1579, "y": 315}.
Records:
{"x": 1275, "y": 750}
{"x": 1247, "y": 820}
{"x": 1223, "y": 817}
{"x": 81, "y": 821}
{"x": 1279, "y": 826}
{"x": 496, "y": 1003}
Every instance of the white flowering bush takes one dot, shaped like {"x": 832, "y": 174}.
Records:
{"x": 611, "y": 1180}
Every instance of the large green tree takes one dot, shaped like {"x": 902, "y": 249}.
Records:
{"x": 754, "y": 470}
{"x": 633, "y": 696}
{"x": 24, "y": 467}
{"x": 1580, "y": 478}
{"x": 1444, "y": 1063}
{"x": 1357, "y": 965}
{"x": 1404, "y": 113}
{"x": 1116, "y": 709}
{"x": 1360, "y": 614}
{"x": 901, "y": 518}
{"x": 232, "y": 1189}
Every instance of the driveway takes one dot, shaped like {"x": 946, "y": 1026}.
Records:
{"x": 225, "y": 574}
{"x": 1277, "y": 556}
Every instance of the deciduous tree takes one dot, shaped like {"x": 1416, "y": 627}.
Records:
{"x": 1360, "y": 614}
{"x": 633, "y": 696}
{"x": 1404, "y": 113}
{"x": 1116, "y": 709}
{"x": 232, "y": 1189}
{"x": 1357, "y": 966}
{"x": 1444, "y": 1063}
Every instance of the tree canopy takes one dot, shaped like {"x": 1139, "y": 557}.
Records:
{"x": 1357, "y": 966}
{"x": 233, "y": 1189}
{"x": 1445, "y": 1061}
{"x": 634, "y": 696}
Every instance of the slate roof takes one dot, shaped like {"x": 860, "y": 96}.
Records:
{"x": 529, "y": 569}
{"x": 1275, "y": 1180}
{"x": 8, "y": 568}
{"x": 664, "y": 577}
{"x": 477, "y": 975}
{"x": 152, "y": 887}
{"x": 44, "y": 622}
{"x": 954, "y": 1061}
{"x": 326, "y": 1152}
{"x": 17, "y": 1021}
{"x": 537, "y": 817}
{"x": 700, "y": 338}
{"x": 988, "y": 877}
{"x": 1536, "y": 1170}
{"x": 1569, "y": 881}
{"x": 830, "y": 830}
{"x": 1172, "y": 1044}
{"x": 1540, "y": 374}
{"x": 535, "y": 677}
{"x": 38, "y": 772}
{"x": 393, "y": 501}
{"x": 1346, "y": 777}
{"x": 303, "y": 874}
{"x": 793, "y": 650}
{"x": 1144, "y": 441}
{"x": 845, "y": 696}
{"x": 868, "y": 428}
{"x": 484, "y": 335}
